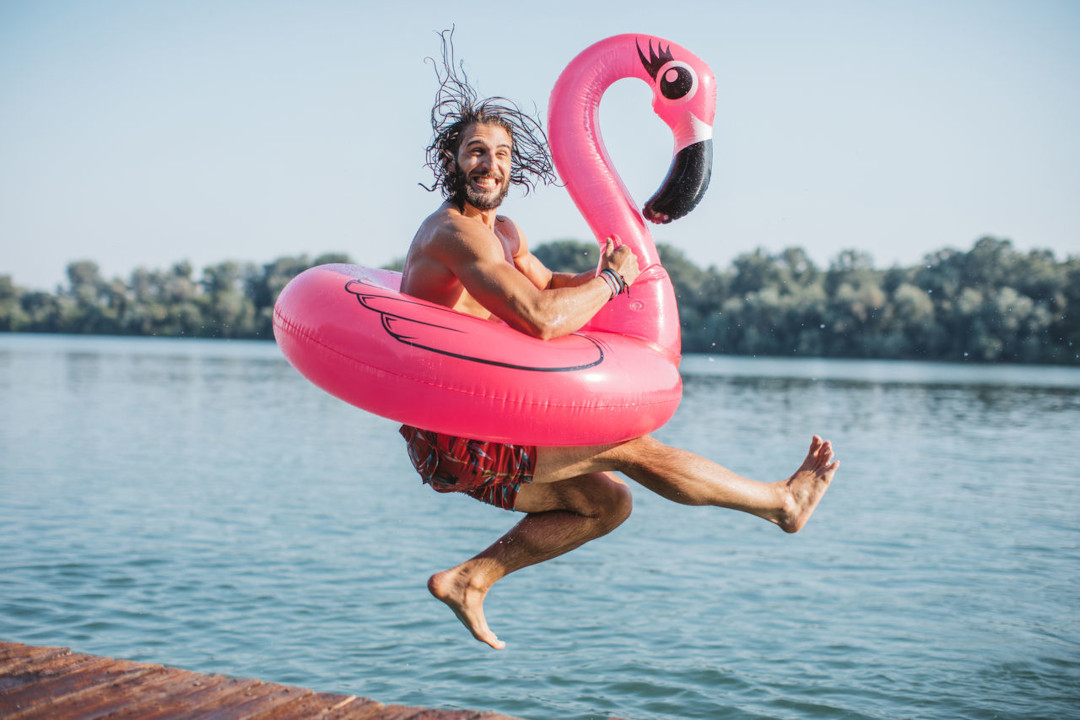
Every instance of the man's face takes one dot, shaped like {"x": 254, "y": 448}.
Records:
{"x": 483, "y": 166}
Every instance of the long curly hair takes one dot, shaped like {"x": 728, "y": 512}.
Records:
{"x": 457, "y": 106}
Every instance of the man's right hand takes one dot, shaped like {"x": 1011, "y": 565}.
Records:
{"x": 621, "y": 259}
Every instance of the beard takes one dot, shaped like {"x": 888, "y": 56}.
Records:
{"x": 464, "y": 192}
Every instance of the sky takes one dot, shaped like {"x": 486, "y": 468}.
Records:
{"x": 146, "y": 133}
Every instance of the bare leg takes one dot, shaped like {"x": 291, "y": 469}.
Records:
{"x": 572, "y": 500}
{"x": 689, "y": 479}
{"x": 561, "y": 516}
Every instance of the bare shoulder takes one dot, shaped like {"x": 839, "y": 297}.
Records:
{"x": 509, "y": 228}
{"x": 451, "y": 233}
{"x": 512, "y": 236}
{"x": 438, "y": 251}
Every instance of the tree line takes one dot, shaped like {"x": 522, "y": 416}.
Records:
{"x": 991, "y": 303}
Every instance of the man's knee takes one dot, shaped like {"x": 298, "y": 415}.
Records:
{"x": 612, "y": 501}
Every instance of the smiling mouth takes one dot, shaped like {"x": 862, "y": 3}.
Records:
{"x": 486, "y": 182}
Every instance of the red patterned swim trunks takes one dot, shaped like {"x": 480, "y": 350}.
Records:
{"x": 491, "y": 472}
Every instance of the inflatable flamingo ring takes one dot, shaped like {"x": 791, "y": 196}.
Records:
{"x": 350, "y": 331}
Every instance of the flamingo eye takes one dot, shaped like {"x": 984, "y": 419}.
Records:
{"x": 678, "y": 81}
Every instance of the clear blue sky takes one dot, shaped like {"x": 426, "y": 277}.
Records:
{"x": 142, "y": 133}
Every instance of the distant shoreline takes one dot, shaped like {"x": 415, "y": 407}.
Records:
{"x": 990, "y": 304}
{"x": 692, "y": 362}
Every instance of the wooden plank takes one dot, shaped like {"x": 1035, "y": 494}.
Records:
{"x": 131, "y": 700}
{"x": 184, "y": 695}
{"x": 352, "y": 711}
{"x": 378, "y": 711}
{"x": 316, "y": 705}
{"x": 251, "y": 702}
{"x": 93, "y": 705}
{"x": 14, "y": 652}
{"x": 425, "y": 714}
{"x": 37, "y": 673}
{"x": 65, "y": 686}
{"x": 55, "y": 684}
{"x": 11, "y": 664}
{"x": 29, "y": 671}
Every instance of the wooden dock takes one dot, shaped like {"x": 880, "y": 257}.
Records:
{"x": 48, "y": 683}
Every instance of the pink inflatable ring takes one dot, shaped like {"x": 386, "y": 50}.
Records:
{"x": 351, "y": 331}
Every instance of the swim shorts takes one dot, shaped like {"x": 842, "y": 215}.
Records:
{"x": 488, "y": 471}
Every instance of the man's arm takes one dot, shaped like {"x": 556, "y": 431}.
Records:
{"x": 514, "y": 294}
{"x": 532, "y": 268}
{"x": 566, "y": 280}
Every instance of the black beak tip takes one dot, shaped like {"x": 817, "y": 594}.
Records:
{"x": 685, "y": 185}
{"x": 653, "y": 216}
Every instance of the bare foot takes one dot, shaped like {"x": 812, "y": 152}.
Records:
{"x": 804, "y": 490}
{"x": 454, "y": 588}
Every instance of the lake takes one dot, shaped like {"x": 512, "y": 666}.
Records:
{"x": 199, "y": 504}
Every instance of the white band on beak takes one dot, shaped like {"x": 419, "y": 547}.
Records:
{"x": 690, "y": 130}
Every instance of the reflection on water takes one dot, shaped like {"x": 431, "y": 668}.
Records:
{"x": 197, "y": 503}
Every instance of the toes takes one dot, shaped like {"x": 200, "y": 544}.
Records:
{"x": 825, "y": 452}
{"x": 486, "y": 636}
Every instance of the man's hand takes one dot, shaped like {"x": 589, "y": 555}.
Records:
{"x": 621, "y": 259}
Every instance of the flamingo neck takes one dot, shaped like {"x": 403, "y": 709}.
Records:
{"x": 578, "y": 148}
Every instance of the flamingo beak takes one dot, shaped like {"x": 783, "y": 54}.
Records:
{"x": 685, "y": 184}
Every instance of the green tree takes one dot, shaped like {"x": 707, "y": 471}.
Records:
{"x": 569, "y": 256}
{"x": 227, "y": 310}
{"x": 12, "y": 315}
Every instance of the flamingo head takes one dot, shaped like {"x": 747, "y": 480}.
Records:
{"x": 684, "y": 96}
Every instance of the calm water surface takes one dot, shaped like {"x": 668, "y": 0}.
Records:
{"x": 199, "y": 504}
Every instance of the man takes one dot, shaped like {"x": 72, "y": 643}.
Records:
{"x": 468, "y": 258}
